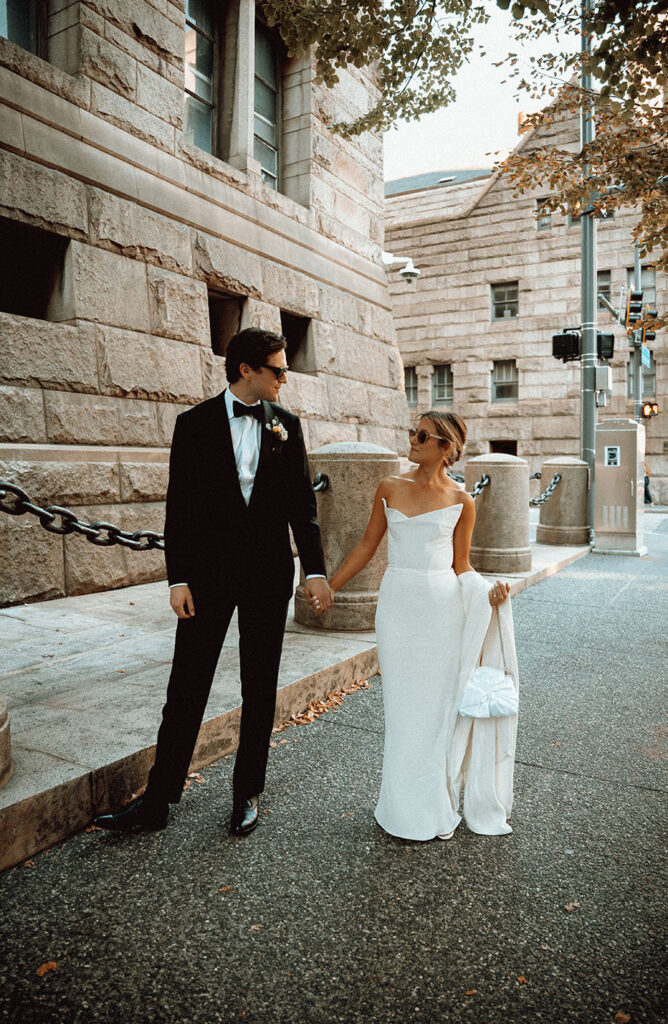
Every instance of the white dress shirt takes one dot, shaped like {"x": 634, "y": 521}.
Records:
{"x": 246, "y": 434}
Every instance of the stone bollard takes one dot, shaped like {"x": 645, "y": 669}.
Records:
{"x": 563, "y": 517}
{"x": 500, "y": 542}
{"x": 6, "y": 766}
{"x": 354, "y": 468}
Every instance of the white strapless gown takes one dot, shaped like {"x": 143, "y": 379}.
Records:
{"x": 419, "y": 627}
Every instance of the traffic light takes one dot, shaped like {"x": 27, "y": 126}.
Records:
{"x": 633, "y": 307}
{"x": 650, "y": 409}
{"x": 605, "y": 346}
{"x": 566, "y": 346}
{"x": 647, "y": 333}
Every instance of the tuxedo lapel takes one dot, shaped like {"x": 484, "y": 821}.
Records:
{"x": 267, "y": 440}
{"x": 230, "y": 478}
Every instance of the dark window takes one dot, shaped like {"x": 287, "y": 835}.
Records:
{"x": 543, "y": 216}
{"x": 648, "y": 379}
{"x": 200, "y": 102}
{"x": 24, "y": 22}
{"x": 505, "y": 302}
{"x": 410, "y": 380}
{"x": 504, "y": 380}
{"x": 266, "y": 107}
{"x": 648, "y": 284}
{"x": 224, "y": 319}
{"x": 31, "y": 270}
{"x": 603, "y": 286}
{"x": 441, "y": 385}
{"x": 297, "y": 332}
{"x": 503, "y": 447}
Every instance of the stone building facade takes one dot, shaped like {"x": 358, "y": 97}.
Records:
{"x": 167, "y": 177}
{"x": 496, "y": 283}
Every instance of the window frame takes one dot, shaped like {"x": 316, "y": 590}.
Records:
{"x": 541, "y": 217}
{"x": 279, "y": 59}
{"x": 216, "y": 78}
{"x": 513, "y": 380}
{"x": 630, "y": 283}
{"x": 409, "y": 388}
{"x": 607, "y": 292}
{"x": 494, "y": 302}
{"x": 647, "y": 376}
{"x": 436, "y": 385}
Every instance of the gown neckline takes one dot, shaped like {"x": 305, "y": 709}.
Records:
{"x": 455, "y": 504}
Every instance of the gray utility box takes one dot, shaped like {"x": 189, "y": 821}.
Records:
{"x": 619, "y": 483}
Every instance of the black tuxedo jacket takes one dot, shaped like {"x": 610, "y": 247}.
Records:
{"x": 213, "y": 540}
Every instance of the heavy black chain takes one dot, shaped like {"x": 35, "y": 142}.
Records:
{"x": 547, "y": 492}
{"x": 56, "y": 519}
{"x": 479, "y": 486}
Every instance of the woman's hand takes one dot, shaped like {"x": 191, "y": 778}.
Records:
{"x": 498, "y": 593}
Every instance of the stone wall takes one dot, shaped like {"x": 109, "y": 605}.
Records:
{"x": 467, "y": 237}
{"x": 92, "y": 151}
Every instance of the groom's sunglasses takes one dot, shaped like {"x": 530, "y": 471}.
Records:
{"x": 278, "y": 371}
{"x": 421, "y": 435}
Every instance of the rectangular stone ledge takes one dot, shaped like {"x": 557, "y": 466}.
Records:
{"x": 22, "y": 414}
{"x": 35, "y": 85}
{"x": 140, "y": 481}
{"x": 42, "y": 195}
{"x": 132, "y": 118}
{"x": 134, "y": 365}
{"x": 138, "y": 233}
{"x": 40, "y": 353}
{"x": 99, "y": 420}
{"x": 89, "y": 568}
{"x": 61, "y": 482}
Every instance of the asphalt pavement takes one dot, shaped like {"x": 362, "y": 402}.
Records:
{"x": 320, "y": 917}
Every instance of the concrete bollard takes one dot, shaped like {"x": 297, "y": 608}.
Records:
{"x": 6, "y": 766}
{"x": 500, "y": 542}
{"x": 563, "y": 517}
{"x": 354, "y": 468}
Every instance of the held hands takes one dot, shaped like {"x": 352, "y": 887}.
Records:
{"x": 182, "y": 602}
{"x": 319, "y": 595}
{"x": 498, "y": 593}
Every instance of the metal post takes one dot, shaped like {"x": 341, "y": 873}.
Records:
{"x": 588, "y": 268}
{"x": 636, "y": 356}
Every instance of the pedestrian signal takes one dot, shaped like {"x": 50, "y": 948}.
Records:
{"x": 647, "y": 333}
{"x": 650, "y": 409}
{"x": 633, "y": 307}
{"x": 605, "y": 346}
{"x": 566, "y": 346}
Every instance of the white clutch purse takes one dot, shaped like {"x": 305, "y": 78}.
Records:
{"x": 490, "y": 692}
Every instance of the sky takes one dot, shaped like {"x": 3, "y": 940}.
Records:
{"x": 483, "y": 118}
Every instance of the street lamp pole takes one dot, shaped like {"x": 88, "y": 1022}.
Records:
{"x": 588, "y": 269}
{"x": 636, "y": 355}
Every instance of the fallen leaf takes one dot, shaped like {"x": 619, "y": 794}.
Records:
{"x": 558, "y": 743}
{"x": 272, "y": 744}
{"x": 621, "y": 1017}
{"x": 256, "y": 927}
{"x": 131, "y": 602}
{"x": 50, "y": 965}
{"x": 571, "y": 906}
{"x": 226, "y": 888}
{"x": 470, "y": 991}
{"x": 544, "y": 945}
{"x": 94, "y": 828}
{"x": 28, "y": 863}
{"x": 121, "y": 670}
{"x": 283, "y": 741}
{"x": 521, "y": 980}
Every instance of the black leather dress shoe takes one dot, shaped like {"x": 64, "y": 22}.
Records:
{"x": 244, "y": 816}
{"x": 138, "y": 816}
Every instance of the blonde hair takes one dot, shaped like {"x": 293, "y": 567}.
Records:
{"x": 450, "y": 427}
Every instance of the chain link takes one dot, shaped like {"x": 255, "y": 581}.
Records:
{"x": 15, "y": 502}
{"x": 479, "y": 486}
{"x": 547, "y": 492}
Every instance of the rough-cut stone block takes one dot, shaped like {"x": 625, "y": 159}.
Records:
{"x": 261, "y": 314}
{"x": 127, "y": 115}
{"x": 167, "y": 413}
{"x": 107, "y": 288}
{"x": 137, "y": 232}
{"x": 22, "y": 415}
{"x": 94, "y": 419}
{"x": 324, "y": 347}
{"x": 45, "y": 196}
{"x": 141, "y": 366}
{"x": 144, "y": 481}
{"x": 31, "y": 561}
{"x": 214, "y": 379}
{"x": 62, "y": 481}
{"x": 142, "y": 21}
{"x": 348, "y": 400}
{"x": 90, "y": 568}
{"x": 37, "y": 352}
{"x": 290, "y": 290}
{"x": 107, "y": 64}
{"x": 388, "y": 407}
{"x": 364, "y": 359}
{"x": 337, "y": 307}
{"x": 228, "y": 267}
{"x": 386, "y": 437}
{"x": 325, "y": 432}
{"x": 555, "y": 426}
{"x": 155, "y": 93}
{"x": 178, "y": 307}
{"x": 305, "y": 395}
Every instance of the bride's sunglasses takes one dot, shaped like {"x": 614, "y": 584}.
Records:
{"x": 278, "y": 371}
{"x": 421, "y": 435}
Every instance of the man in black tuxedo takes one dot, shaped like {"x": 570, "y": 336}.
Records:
{"x": 238, "y": 477}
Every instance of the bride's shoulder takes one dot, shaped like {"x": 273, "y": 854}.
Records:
{"x": 389, "y": 485}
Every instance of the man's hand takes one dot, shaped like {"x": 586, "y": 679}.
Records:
{"x": 319, "y": 595}
{"x": 182, "y": 602}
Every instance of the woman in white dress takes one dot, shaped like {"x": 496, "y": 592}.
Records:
{"x": 420, "y": 624}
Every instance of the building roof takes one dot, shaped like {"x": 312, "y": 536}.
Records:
{"x": 434, "y": 179}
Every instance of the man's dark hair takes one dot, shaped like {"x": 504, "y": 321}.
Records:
{"x": 253, "y": 346}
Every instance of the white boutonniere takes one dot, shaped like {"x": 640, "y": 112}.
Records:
{"x": 277, "y": 428}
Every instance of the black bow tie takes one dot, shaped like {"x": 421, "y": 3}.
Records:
{"x": 239, "y": 409}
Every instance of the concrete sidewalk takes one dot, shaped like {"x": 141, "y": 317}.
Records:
{"x": 85, "y": 680}
{"x": 319, "y": 917}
